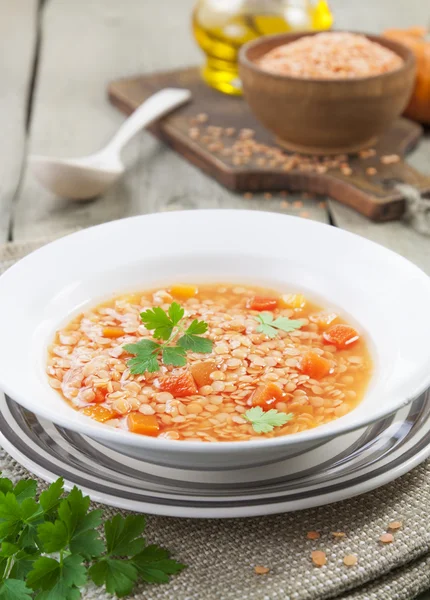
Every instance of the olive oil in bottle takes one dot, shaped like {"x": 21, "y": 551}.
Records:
{"x": 221, "y": 27}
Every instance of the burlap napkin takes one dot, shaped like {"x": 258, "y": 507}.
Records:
{"x": 222, "y": 554}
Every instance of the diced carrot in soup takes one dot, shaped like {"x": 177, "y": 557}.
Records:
{"x": 293, "y": 301}
{"x": 323, "y": 320}
{"x": 201, "y": 372}
{"x": 113, "y": 332}
{"x": 100, "y": 394}
{"x": 263, "y": 303}
{"x": 99, "y": 413}
{"x": 143, "y": 424}
{"x": 183, "y": 292}
{"x": 341, "y": 336}
{"x": 266, "y": 396}
{"x": 315, "y": 366}
{"x": 179, "y": 384}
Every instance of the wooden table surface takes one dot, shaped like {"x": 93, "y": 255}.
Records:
{"x": 59, "y": 55}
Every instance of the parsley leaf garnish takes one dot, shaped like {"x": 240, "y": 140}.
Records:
{"x": 177, "y": 341}
{"x": 146, "y": 353}
{"x": 13, "y": 589}
{"x": 271, "y": 327}
{"x": 264, "y": 421}
{"x": 50, "y": 546}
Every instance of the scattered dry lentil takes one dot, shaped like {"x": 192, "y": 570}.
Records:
{"x": 350, "y": 560}
{"x": 319, "y": 558}
{"x": 394, "y": 525}
{"x": 390, "y": 159}
{"x": 313, "y": 535}
{"x": 338, "y": 534}
{"x": 386, "y": 538}
{"x": 371, "y": 171}
{"x": 259, "y": 570}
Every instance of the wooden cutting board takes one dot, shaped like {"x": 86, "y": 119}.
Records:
{"x": 375, "y": 196}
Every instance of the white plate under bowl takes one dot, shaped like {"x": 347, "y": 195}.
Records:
{"x": 384, "y": 293}
{"x": 345, "y": 467}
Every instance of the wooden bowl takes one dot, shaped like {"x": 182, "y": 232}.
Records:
{"x": 325, "y": 116}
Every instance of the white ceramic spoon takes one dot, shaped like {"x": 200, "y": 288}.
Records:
{"x": 90, "y": 176}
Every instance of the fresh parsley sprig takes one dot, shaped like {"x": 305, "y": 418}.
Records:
{"x": 271, "y": 327}
{"x": 176, "y": 340}
{"x": 265, "y": 421}
{"x": 51, "y": 546}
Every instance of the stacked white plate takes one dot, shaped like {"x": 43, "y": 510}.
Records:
{"x": 349, "y": 465}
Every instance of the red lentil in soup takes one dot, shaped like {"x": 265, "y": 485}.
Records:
{"x": 210, "y": 363}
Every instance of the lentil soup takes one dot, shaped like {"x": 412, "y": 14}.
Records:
{"x": 255, "y": 363}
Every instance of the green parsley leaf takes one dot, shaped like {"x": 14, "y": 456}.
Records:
{"x": 123, "y": 535}
{"x": 23, "y": 563}
{"x": 53, "y": 536}
{"x": 73, "y": 571}
{"x": 176, "y": 313}
{"x": 158, "y": 320}
{"x": 44, "y": 574}
{"x": 66, "y": 527}
{"x": 26, "y": 488}
{"x": 197, "y": 327}
{"x": 8, "y": 549}
{"x": 167, "y": 327}
{"x": 60, "y": 591}
{"x": 47, "y": 572}
{"x": 155, "y": 566}
{"x": 13, "y": 589}
{"x": 118, "y": 576}
{"x": 80, "y": 524}
{"x": 194, "y": 343}
{"x": 50, "y": 498}
{"x": 271, "y": 327}
{"x": 265, "y": 421}
{"x": 174, "y": 355}
{"x": 10, "y": 515}
{"x": 5, "y": 485}
{"x": 145, "y": 361}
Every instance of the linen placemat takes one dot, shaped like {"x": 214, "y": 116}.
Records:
{"x": 221, "y": 554}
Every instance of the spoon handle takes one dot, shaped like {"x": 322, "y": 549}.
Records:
{"x": 152, "y": 109}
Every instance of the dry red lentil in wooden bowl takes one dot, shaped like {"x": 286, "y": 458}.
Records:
{"x": 330, "y": 92}
{"x": 213, "y": 338}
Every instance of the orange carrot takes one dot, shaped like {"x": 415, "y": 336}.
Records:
{"x": 143, "y": 424}
{"x": 201, "y": 372}
{"x": 266, "y": 396}
{"x": 262, "y": 303}
{"x": 113, "y": 332}
{"x": 341, "y": 336}
{"x": 99, "y": 413}
{"x": 179, "y": 384}
{"x": 315, "y": 366}
{"x": 183, "y": 292}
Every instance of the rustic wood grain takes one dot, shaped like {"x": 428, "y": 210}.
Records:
{"x": 86, "y": 45}
{"x": 375, "y": 197}
{"x": 18, "y": 24}
{"x": 368, "y": 15}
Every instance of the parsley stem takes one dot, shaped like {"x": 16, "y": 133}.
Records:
{"x": 9, "y": 564}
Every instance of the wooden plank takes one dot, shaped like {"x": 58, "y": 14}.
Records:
{"x": 18, "y": 25}
{"x": 368, "y": 15}
{"x": 371, "y": 196}
{"x": 72, "y": 116}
